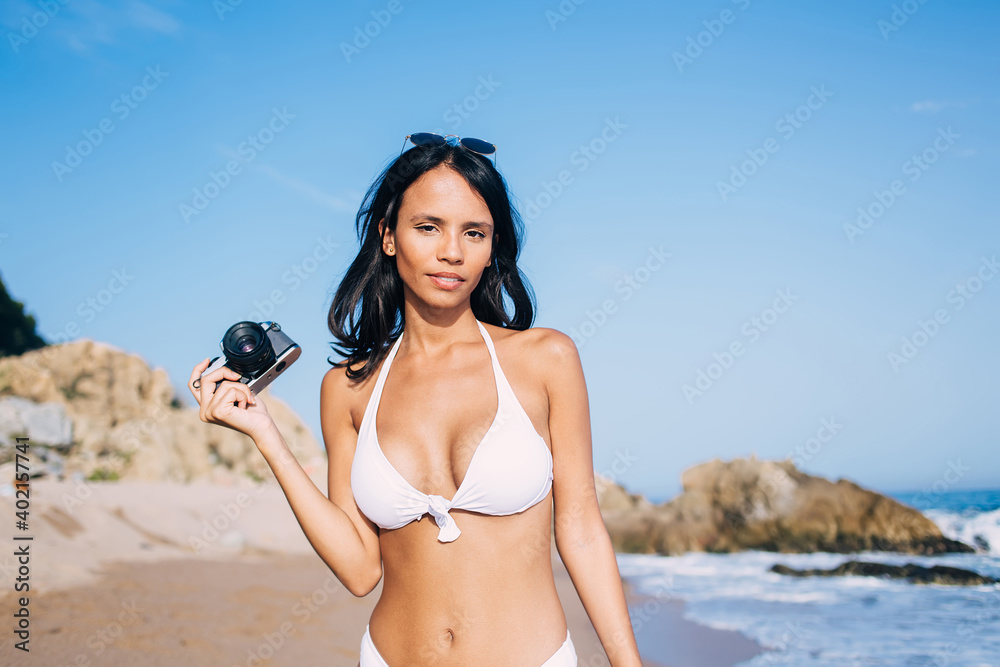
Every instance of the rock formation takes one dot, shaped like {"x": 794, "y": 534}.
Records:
{"x": 917, "y": 574}
{"x": 91, "y": 408}
{"x": 771, "y": 506}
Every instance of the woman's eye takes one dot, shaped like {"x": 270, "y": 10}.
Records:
{"x": 431, "y": 228}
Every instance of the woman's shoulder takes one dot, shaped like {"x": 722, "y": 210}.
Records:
{"x": 338, "y": 379}
{"x": 337, "y": 383}
{"x": 341, "y": 392}
{"x": 537, "y": 345}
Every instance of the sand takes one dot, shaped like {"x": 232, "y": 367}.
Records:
{"x": 141, "y": 573}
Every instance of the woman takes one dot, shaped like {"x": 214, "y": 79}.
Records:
{"x": 483, "y": 424}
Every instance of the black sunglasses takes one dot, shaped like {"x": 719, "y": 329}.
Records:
{"x": 431, "y": 139}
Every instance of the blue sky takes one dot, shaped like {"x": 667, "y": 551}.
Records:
{"x": 691, "y": 174}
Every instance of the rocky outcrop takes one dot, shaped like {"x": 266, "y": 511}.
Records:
{"x": 917, "y": 574}
{"x": 772, "y": 506}
{"x": 612, "y": 497}
{"x": 91, "y": 408}
{"x": 44, "y": 423}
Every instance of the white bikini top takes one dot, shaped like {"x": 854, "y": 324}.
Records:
{"x": 510, "y": 471}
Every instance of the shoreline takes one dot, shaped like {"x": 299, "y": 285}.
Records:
{"x": 132, "y": 572}
{"x": 287, "y": 609}
{"x": 667, "y": 636}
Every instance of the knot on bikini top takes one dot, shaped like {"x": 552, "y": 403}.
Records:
{"x": 439, "y": 509}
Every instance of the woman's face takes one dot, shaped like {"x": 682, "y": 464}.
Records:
{"x": 443, "y": 238}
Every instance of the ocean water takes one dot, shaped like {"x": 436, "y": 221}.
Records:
{"x": 846, "y": 620}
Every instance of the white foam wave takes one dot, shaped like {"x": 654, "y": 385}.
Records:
{"x": 837, "y": 620}
{"x": 981, "y": 530}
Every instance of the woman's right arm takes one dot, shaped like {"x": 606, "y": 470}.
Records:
{"x": 346, "y": 541}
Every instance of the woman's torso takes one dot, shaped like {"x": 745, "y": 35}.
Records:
{"x": 468, "y": 600}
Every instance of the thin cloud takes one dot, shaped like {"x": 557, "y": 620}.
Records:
{"x": 83, "y": 25}
{"x": 307, "y": 190}
{"x": 934, "y": 106}
{"x": 606, "y": 273}
{"x": 144, "y": 16}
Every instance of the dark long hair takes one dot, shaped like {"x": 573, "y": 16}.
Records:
{"x": 367, "y": 311}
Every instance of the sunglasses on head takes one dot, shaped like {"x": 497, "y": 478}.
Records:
{"x": 432, "y": 139}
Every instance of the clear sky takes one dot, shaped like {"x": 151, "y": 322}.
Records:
{"x": 713, "y": 160}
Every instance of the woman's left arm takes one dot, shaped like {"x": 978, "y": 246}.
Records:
{"x": 581, "y": 536}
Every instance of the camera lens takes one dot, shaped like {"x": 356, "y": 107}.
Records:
{"x": 246, "y": 344}
{"x": 248, "y": 349}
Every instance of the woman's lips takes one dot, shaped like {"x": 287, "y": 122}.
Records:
{"x": 448, "y": 284}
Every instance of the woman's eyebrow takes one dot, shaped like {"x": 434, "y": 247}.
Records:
{"x": 424, "y": 216}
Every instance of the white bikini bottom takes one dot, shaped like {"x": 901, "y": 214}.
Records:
{"x": 565, "y": 655}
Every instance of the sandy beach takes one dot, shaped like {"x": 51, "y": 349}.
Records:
{"x": 140, "y": 573}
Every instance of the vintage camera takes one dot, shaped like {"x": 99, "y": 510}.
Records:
{"x": 258, "y": 351}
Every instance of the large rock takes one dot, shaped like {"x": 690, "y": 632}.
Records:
{"x": 770, "y": 505}
{"x": 126, "y": 421}
{"x": 42, "y": 423}
{"x": 611, "y": 496}
{"x": 917, "y": 574}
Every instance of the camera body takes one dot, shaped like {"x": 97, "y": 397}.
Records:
{"x": 258, "y": 351}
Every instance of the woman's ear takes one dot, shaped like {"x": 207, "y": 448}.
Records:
{"x": 388, "y": 238}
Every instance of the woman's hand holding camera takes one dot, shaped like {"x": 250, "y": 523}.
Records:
{"x": 232, "y": 405}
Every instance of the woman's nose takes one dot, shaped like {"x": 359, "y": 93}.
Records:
{"x": 451, "y": 247}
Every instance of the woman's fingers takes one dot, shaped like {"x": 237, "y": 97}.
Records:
{"x": 223, "y": 401}
{"x": 231, "y": 403}
{"x": 221, "y": 373}
{"x": 195, "y": 374}
{"x": 207, "y": 388}
{"x": 230, "y": 394}
{"x": 197, "y": 384}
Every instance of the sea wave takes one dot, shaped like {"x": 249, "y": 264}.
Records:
{"x": 820, "y": 621}
{"x": 980, "y": 530}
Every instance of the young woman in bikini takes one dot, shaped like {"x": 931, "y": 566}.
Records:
{"x": 482, "y": 427}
